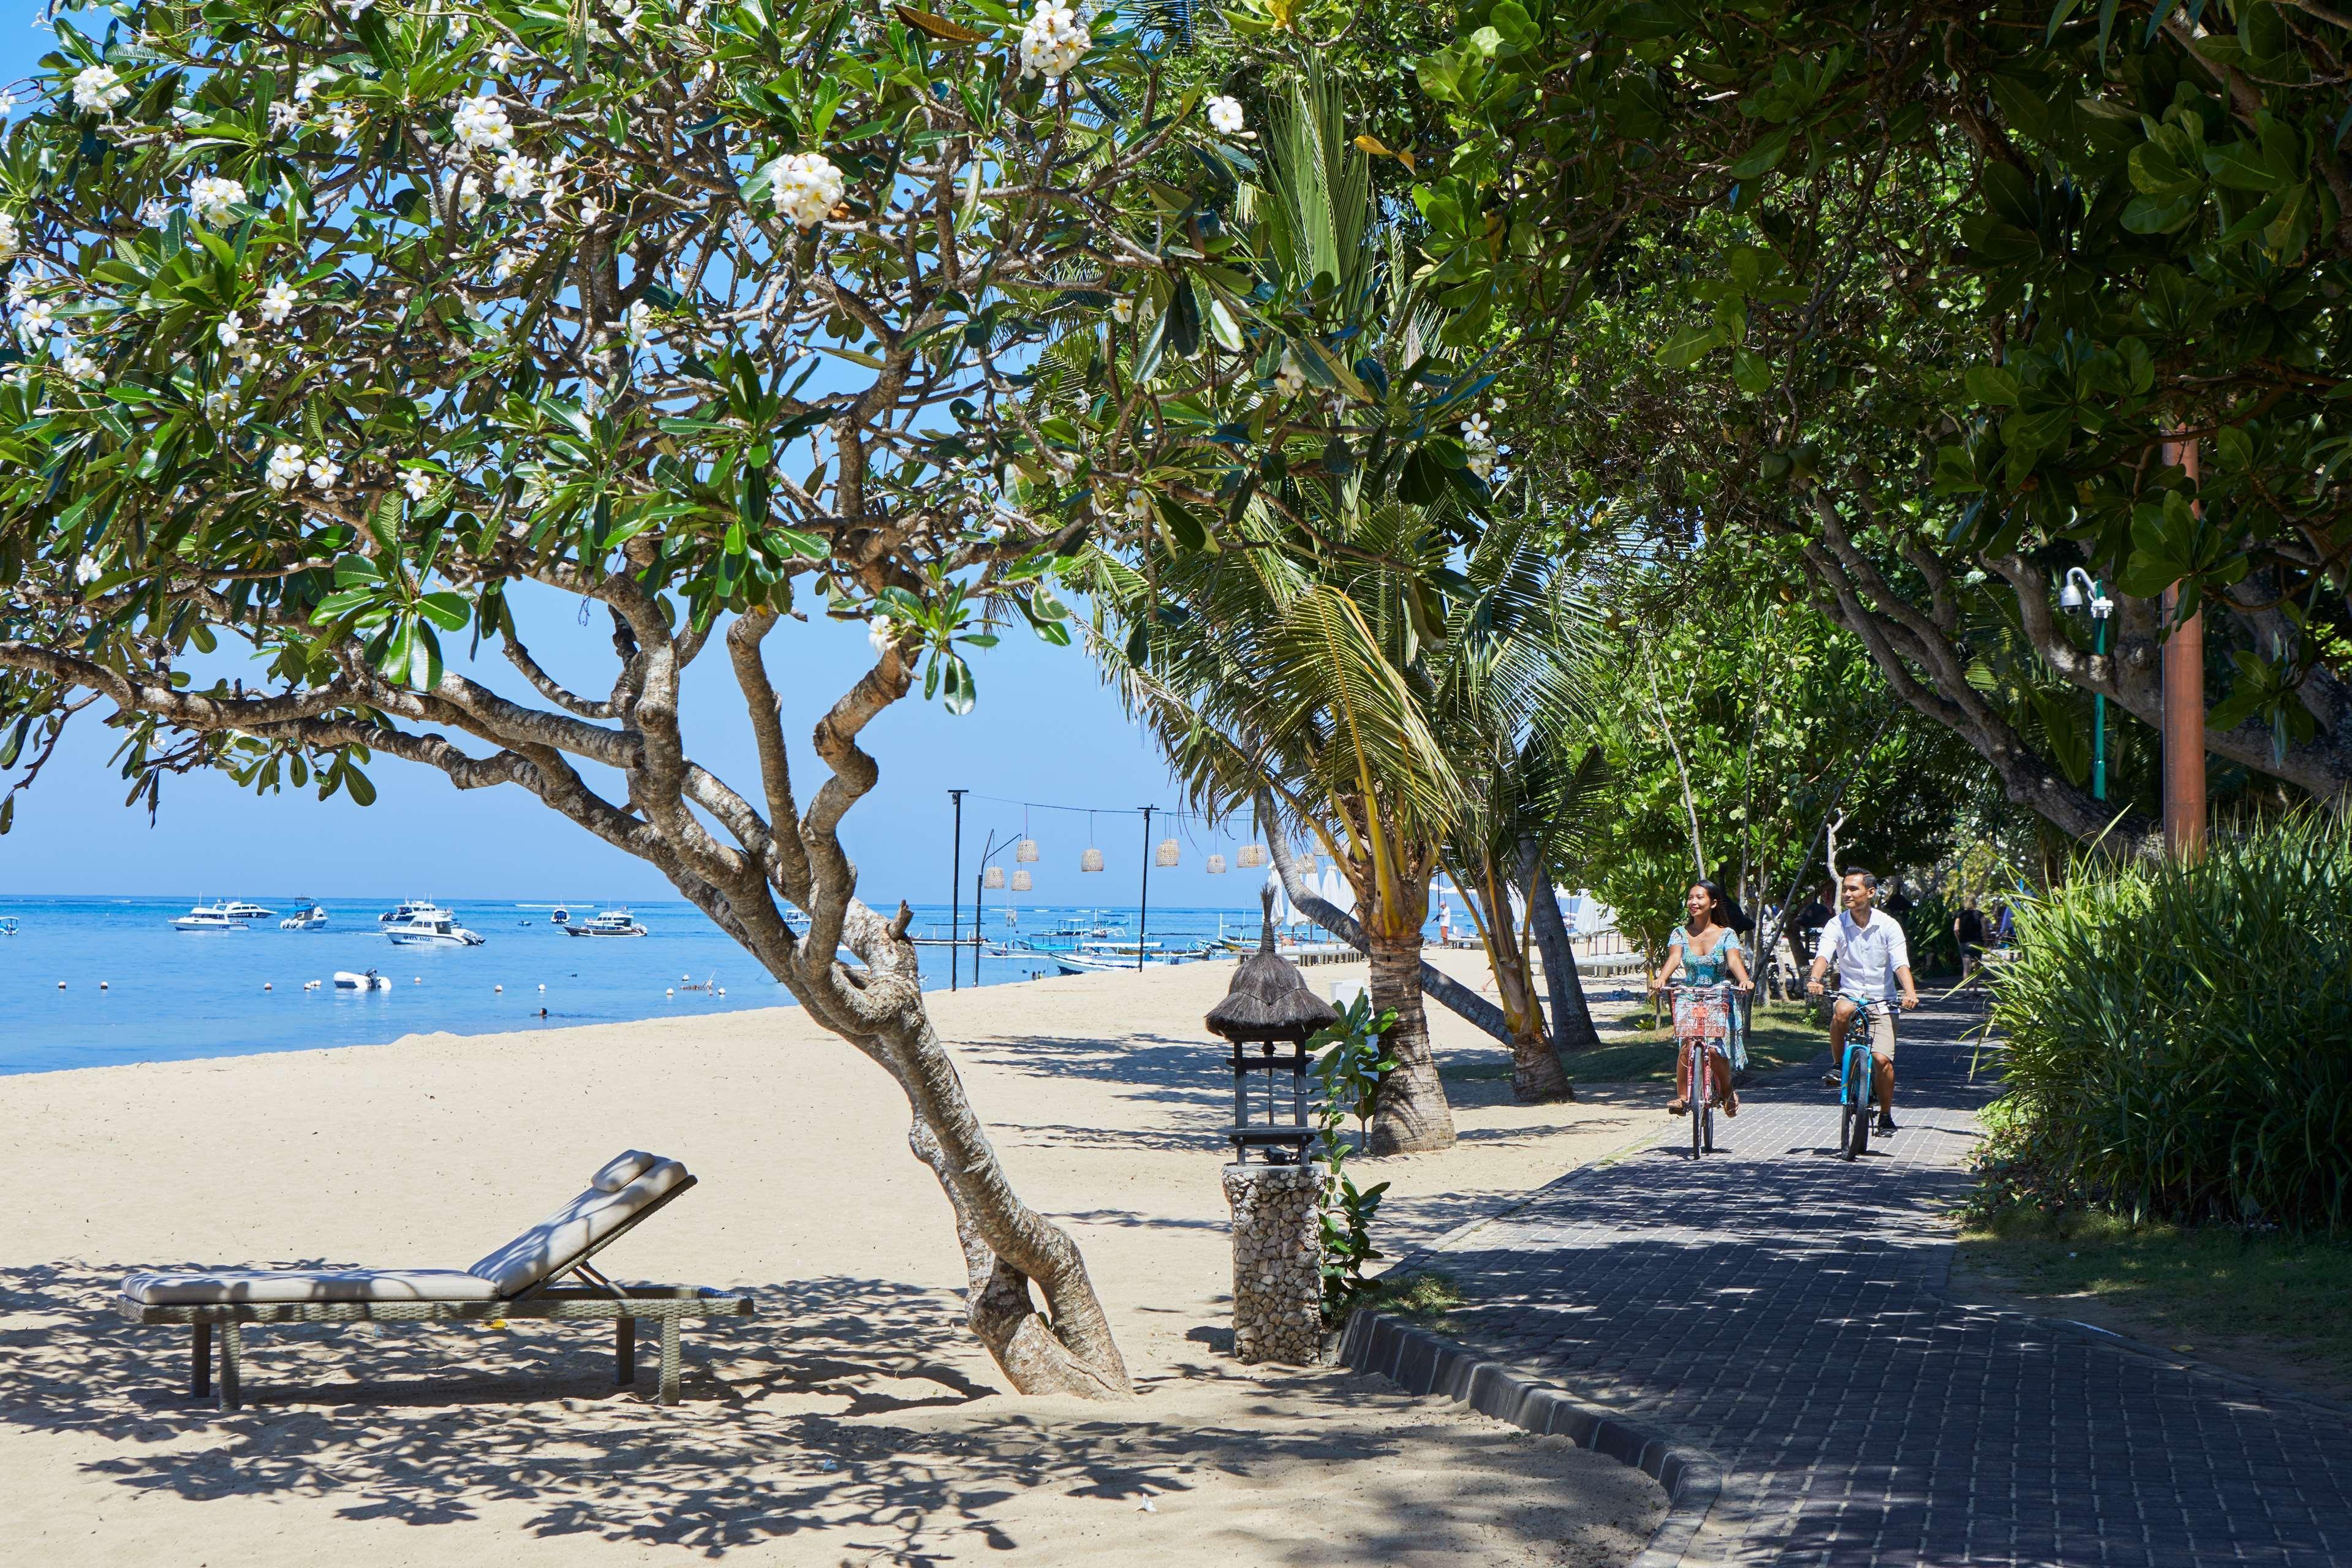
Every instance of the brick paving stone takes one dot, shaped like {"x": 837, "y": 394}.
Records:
{"x": 1783, "y": 1309}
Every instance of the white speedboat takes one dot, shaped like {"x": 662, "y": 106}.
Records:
{"x": 208, "y": 917}
{"x": 310, "y": 917}
{"x": 7, "y": 925}
{"x": 607, "y": 923}
{"x": 407, "y": 910}
{"x": 371, "y": 981}
{"x": 433, "y": 928}
{"x": 244, "y": 909}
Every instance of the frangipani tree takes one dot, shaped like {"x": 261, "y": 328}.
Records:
{"x": 334, "y": 329}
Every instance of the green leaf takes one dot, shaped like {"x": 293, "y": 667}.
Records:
{"x": 1689, "y": 347}
{"x": 1750, "y": 372}
{"x": 1993, "y": 384}
{"x": 1764, "y": 154}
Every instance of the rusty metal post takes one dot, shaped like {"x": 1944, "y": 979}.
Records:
{"x": 2184, "y": 706}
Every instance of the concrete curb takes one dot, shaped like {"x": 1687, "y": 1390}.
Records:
{"x": 1422, "y": 1362}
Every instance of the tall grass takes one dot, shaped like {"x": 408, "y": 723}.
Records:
{"x": 2181, "y": 1035}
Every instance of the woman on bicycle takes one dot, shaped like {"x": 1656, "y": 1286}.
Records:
{"x": 1705, "y": 952}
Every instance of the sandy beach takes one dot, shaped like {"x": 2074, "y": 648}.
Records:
{"x": 853, "y": 1421}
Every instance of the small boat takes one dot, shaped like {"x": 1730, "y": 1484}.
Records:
{"x": 310, "y": 917}
{"x": 407, "y": 910}
{"x": 7, "y": 925}
{"x": 208, "y": 917}
{"x": 371, "y": 981}
{"x": 1093, "y": 963}
{"x": 557, "y": 914}
{"x": 433, "y": 928}
{"x": 244, "y": 909}
{"x": 607, "y": 923}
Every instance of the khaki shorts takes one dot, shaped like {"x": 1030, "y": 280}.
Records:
{"x": 1881, "y": 1029}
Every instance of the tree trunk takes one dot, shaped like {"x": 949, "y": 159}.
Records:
{"x": 1536, "y": 1076}
{"x": 1572, "y": 1019}
{"x": 1412, "y": 1117}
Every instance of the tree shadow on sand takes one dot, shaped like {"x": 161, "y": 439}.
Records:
{"x": 841, "y": 1408}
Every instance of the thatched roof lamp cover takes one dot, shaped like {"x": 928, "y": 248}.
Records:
{"x": 1269, "y": 999}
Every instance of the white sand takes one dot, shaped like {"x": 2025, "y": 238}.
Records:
{"x": 853, "y": 1421}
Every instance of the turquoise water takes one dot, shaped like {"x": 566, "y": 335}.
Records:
{"x": 170, "y": 996}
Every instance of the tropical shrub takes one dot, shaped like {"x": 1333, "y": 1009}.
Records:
{"x": 2181, "y": 1035}
{"x": 1350, "y": 1063}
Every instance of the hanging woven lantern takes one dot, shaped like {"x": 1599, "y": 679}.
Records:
{"x": 1167, "y": 855}
{"x": 1306, "y": 862}
{"x": 1251, "y": 857}
{"x": 1091, "y": 860}
{"x": 1026, "y": 851}
{"x": 996, "y": 877}
{"x": 1022, "y": 882}
{"x": 1216, "y": 865}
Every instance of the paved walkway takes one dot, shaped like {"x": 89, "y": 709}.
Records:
{"x": 1783, "y": 1311}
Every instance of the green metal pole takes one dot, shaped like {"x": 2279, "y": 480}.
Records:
{"x": 2098, "y": 705}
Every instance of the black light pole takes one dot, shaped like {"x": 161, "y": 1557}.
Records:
{"x": 1143, "y": 918}
{"x": 955, "y": 890}
{"x": 979, "y": 887}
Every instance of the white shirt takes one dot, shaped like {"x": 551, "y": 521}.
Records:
{"x": 1866, "y": 957}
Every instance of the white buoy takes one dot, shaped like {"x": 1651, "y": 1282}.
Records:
{"x": 542, "y": 988}
{"x": 62, "y": 985}
{"x": 498, "y": 987}
{"x": 266, "y": 985}
{"x": 416, "y": 980}
{"x": 666, "y": 990}
{"x": 722, "y": 990}
{"x": 683, "y": 978}
{"x": 101, "y": 985}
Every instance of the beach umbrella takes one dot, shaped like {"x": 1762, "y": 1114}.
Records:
{"x": 1168, "y": 853}
{"x": 1251, "y": 858}
{"x": 1337, "y": 893}
{"x": 1022, "y": 882}
{"x": 1216, "y": 865}
{"x": 996, "y": 877}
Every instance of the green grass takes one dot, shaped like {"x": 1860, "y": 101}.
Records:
{"x": 2266, "y": 1303}
{"x": 1424, "y": 1295}
{"x": 1780, "y": 1035}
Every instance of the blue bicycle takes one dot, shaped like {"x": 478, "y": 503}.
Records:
{"x": 1855, "y": 1079}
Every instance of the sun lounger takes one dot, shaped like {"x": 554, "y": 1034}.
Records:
{"x": 520, "y": 1280}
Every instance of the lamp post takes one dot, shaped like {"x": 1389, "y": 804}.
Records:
{"x": 2081, "y": 588}
{"x": 2184, "y": 700}
{"x": 1143, "y": 916}
{"x": 955, "y": 890}
{"x": 979, "y": 887}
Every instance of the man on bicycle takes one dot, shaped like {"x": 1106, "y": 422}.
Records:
{"x": 1866, "y": 947}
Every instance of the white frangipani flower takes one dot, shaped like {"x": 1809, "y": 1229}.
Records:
{"x": 98, "y": 88}
{"x": 154, "y": 213}
{"x": 470, "y": 196}
{"x": 1053, "y": 41}
{"x": 345, "y": 124}
{"x": 590, "y": 209}
{"x": 285, "y": 116}
{"x": 231, "y": 332}
{"x": 323, "y": 471}
{"x": 307, "y": 86}
{"x": 12, "y": 239}
{"x": 252, "y": 360}
{"x": 481, "y": 123}
{"x": 353, "y": 10}
{"x": 210, "y": 198}
{"x": 216, "y": 402}
{"x": 505, "y": 266}
{"x": 1139, "y": 507}
{"x": 1225, "y": 115}
{"x": 284, "y": 466}
{"x": 515, "y": 177}
{"x": 87, "y": 570}
{"x": 277, "y": 302}
{"x": 638, "y": 324}
{"x": 80, "y": 367}
{"x": 1122, "y": 309}
{"x": 881, "y": 632}
{"x": 36, "y": 318}
{"x": 1288, "y": 378}
{"x": 417, "y": 483}
{"x": 807, "y": 186}
{"x": 501, "y": 59}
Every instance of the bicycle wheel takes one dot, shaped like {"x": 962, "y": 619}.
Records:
{"x": 1859, "y": 1111}
{"x": 1707, "y": 1123}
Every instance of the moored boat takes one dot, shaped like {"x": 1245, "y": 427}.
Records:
{"x": 208, "y": 917}
{"x": 310, "y": 916}
{"x": 606, "y": 923}
{"x": 433, "y": 928}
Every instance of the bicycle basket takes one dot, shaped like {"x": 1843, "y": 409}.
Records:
{"x": 1701, "y": 1014}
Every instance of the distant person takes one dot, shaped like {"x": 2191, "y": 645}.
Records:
{"x": 1899, "y": 904}
{"x": 1969, "y": 934}
{"x": 1867, "y": 946}
{"x": 2004, "y": 925}
{"x": 1805, "y": 929}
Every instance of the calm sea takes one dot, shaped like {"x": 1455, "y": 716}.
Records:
{"x": 134, "y": 989}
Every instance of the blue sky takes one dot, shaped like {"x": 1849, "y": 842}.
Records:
{"x": 1046, "y": 729}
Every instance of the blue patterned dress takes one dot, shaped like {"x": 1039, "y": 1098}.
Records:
{"x": 1709, "y": 1017}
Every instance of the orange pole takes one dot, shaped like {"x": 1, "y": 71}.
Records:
{"x": 2184, "y": 706}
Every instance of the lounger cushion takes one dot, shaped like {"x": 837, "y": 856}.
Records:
{"x": 549, "y": 1248}
{"x": 623, "y": 1169}
{"x": 167, "y": 1288}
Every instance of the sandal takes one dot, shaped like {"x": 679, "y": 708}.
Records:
{"x": 1677, "y": 1107}
{"x": 1731, "y": 1106}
